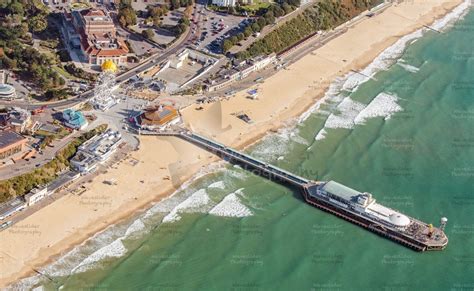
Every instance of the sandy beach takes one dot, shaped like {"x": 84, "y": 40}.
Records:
{"x": 162, "y": 165}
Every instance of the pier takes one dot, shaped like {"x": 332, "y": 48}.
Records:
{"x": 418, "y": 236}
{"x": 248, "y": 162}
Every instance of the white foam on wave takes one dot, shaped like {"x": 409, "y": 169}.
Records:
{"x": 135, "y": 227}
{"x": 217, "y": 185}
{"x": 383, "y": 61}
{"x": 348, "y": 110}
{"x": 231, "y": 206}
{"x": 274, "y": 145}
{"x": 113, "y": 250}
{"x": 383, "y": 105}
{"x": 452, "y": 16}
{"x": 169, "y": 203}
{"x": 196, "y": 200}
{"x": 321, "y": 134}
{"x": 333, "y": 91}
{"x": 351, "y": 113}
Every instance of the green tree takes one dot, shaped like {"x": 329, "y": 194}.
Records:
{"x": 227, "y": 45}
{"x": 157, "y": 22}
{"x": 261, "y": 22}
{"x": 16, "y": 8}
{"x": 287, "y": 8}
{"x": 248, "y": 31}
{"x": 38, "y": 23}
{"x": 175, "y": 4}
{"x": 148, "y": 33}
{"x": 255, "y": 27}
{"x": 127, "y": 16}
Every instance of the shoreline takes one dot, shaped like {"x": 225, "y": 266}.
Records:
{"x": 238, "y": 135}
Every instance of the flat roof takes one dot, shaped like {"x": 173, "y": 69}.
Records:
{"x": 11, "y": 206}
{"x": 340, "y": 190}
{"x": 8, "y": 138}
{"x": 6, "y": 90}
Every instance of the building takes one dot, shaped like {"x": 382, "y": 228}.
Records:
{"x": 15, "y": 119}
{"x": 102, "y": 146}
{"x": 7, "y": 92}
{"x": 93, "y": 32}
{"x": 157, "y": 117}
{"x": 11, "y": 143}
{"x": 240, "y": 71}
{"x": 11, "y": 207}
{"x": 36, "y": 195}
{"x": 95, "y": 151}
{"x": 84, "y": 163}
{"x": 224, "y": 3}
{"x": 74, "y": 119}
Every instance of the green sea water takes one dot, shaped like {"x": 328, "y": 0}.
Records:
{"x": 419, "y": 160}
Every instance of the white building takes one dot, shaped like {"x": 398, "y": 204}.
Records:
{"x": 225, "y": 3}
{"x": 95, "y": 151}
{"x": 84, "y": 163}
{"x": 36, "y": 195}
{"x": 7, "y": 92}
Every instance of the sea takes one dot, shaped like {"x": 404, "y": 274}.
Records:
{"x": 406, "y": 135}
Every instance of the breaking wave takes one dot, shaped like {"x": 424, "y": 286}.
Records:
{"x": 231, "y": 206}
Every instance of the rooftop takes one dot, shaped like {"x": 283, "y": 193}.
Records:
{"x": 74, "y": 117}
{"x": 101, "y": 144}
{"x": 158, "y": 115}
{"x": 11, "y": 206}
{"x": 6, "y": 89}
{"x": 340, "y": 190}
{"x": 8, "y": 138}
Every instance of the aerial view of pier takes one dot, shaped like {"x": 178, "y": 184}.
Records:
{"x": 236, "y": 145}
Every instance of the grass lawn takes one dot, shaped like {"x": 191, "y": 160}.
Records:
{"x": 79, "y": 5}
{"x": 64, "y": 73}
{"x": 59, "y": 135}
{"x": 255, "y": 6}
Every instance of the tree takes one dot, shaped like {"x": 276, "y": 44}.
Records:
{"x": 9, "y": 63}
{"x": 148, "y": 33}
{"x": 240, "y": 36}
{"x": 175, "y": 4}
{"x": 38, "y": 23}
{"x": 261, "y": 22}
{"x": 287, "y": 8}
{"x": 185, "y": 21}
{"x": 278, "y": 11}
{"x": 248, "y": 31}
{"x": 157, "y": 22}
{"x": 227, "y": 45}
{"x": 255, "y": 27}
{"x": 127, "y": 16}
{"x": 16, "y": 8}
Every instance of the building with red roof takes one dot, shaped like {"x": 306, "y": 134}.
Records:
{"x": 93, "y": 31}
